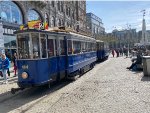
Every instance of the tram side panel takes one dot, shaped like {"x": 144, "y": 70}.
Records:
{"x": 76, "y": 62}
{"x": 78, "y": 59}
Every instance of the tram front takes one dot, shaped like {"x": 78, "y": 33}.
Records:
{"x": 32, "y": 62}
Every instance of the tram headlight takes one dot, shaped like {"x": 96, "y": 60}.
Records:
{"x": 24, "y": 75}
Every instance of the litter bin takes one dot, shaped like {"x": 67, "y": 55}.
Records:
{"x": 146, "y": 65}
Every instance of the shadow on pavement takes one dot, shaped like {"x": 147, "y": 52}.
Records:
{"x": 10, "y": 102}
{"x": 145, "y": 78}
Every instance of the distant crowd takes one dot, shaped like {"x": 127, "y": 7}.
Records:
{"x": 130, "y": 52}
{"x": 136, "y": 53}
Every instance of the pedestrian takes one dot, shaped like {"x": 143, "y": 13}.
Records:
{"x": 113, "y": 52}
{"x": 121, "y": 51}
{"x": 8, "y": 56}
{"x": 15, "y": 65}
{"x": 1, "y": 66}
{"x": 138, "y": 61}
{"x": 117, "y": 52}
{"x": 5, "y": 67}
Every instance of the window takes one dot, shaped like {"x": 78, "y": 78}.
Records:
{"x": 62, "y": 10}
{"x": 73, "y": 15}
{"x": 94, "y": 47}
{"x": 62, "y": 47}
{"x": 46, "y": 18}
{"x": 67, "y": 24}
{"x": 76, "y": 47}
{"x": 53, "y": 22}
{"x": 33, "y": 15}
{"x": 50, "y": 47}
{"x": 88, "y": 46}
{"x": 43, "y": 46}
{"x": 58, "y": 5}
{"x": 83, "y": 46}
{"x": 66, "y": 10}
{"x": 35, "y": 45}
{"x": 62, "y": 22}
{"x": 10, "y": 12}
{"x": 69, "y": 46}
{"x": 53, "y": 4}
{"x": 9, "y": 41}
{"x": 69, "y": 11}
{"x": 23, "y": 46}
{"x": 59, "y": 22}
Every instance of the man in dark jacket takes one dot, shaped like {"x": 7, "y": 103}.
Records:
{"x": 138, "y": 61}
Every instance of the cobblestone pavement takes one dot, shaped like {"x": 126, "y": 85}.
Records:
{"x": 108, "y": 88}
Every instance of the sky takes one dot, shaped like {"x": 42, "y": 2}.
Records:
{"x": 120, "y": 14}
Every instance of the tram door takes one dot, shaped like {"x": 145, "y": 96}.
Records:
{"x": 61, "y": 56}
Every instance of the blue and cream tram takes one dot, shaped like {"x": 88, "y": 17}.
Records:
{"x": 47, "y": 56}
{"x": 102, "y": 50}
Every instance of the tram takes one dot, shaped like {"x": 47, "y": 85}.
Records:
{"x": 46, "y": 56}
{"x": 102, "y": 50}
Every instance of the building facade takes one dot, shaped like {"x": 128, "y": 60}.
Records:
{"x": 125, "y": 38}
{"x": 56, "y": 13}
{"x": 95, "y": 25}
{"x": 139, "y": 36}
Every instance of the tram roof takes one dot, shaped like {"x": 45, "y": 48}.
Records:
{"x": 35, "y": 30}
{"x": 81, "y": 36}
{"x": 99, "y": 41}
{"x": 77, "y": 36}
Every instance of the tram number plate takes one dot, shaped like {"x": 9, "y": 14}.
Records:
{"x": 41, "y": 26}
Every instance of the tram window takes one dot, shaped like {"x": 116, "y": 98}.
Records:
{"x": 94, "y": 46}
{"x": 43, "y": 46}
{"x": 69, "y": 47}
{"x": 23, "y": 46}
{"x": 50, "y": 47}
{"x": 62, "y": 47}
{"x": 35, "y": 44}
{"x": 76, "y": 47}
{"x": 88, "y": 46}
{"x": 83, "y": 44}
{"x": 102, "y": 45}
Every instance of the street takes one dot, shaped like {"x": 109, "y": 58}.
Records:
{"x": 108, "y": 88}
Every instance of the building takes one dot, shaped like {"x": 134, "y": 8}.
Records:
{"x": 95, "y": 25}
{"x": 139, "y": 36}
{"x": 81, "y": 15}
{"x": 56, "y": 13}
{"x": 125, "y": 38}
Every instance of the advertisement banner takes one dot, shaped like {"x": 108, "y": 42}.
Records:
{"x": 36, "y": 24}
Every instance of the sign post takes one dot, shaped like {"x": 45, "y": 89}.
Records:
{"x": 1, "y": 39}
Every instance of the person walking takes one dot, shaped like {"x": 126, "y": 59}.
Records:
{"x": 15, "y": 65}
{"x": 5, "y": 66}
{"x": 117, "y": 52}
{"x": 8, "y": 56}
{"x": 113, "y": 52}
{"x": 1, "y": 66}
